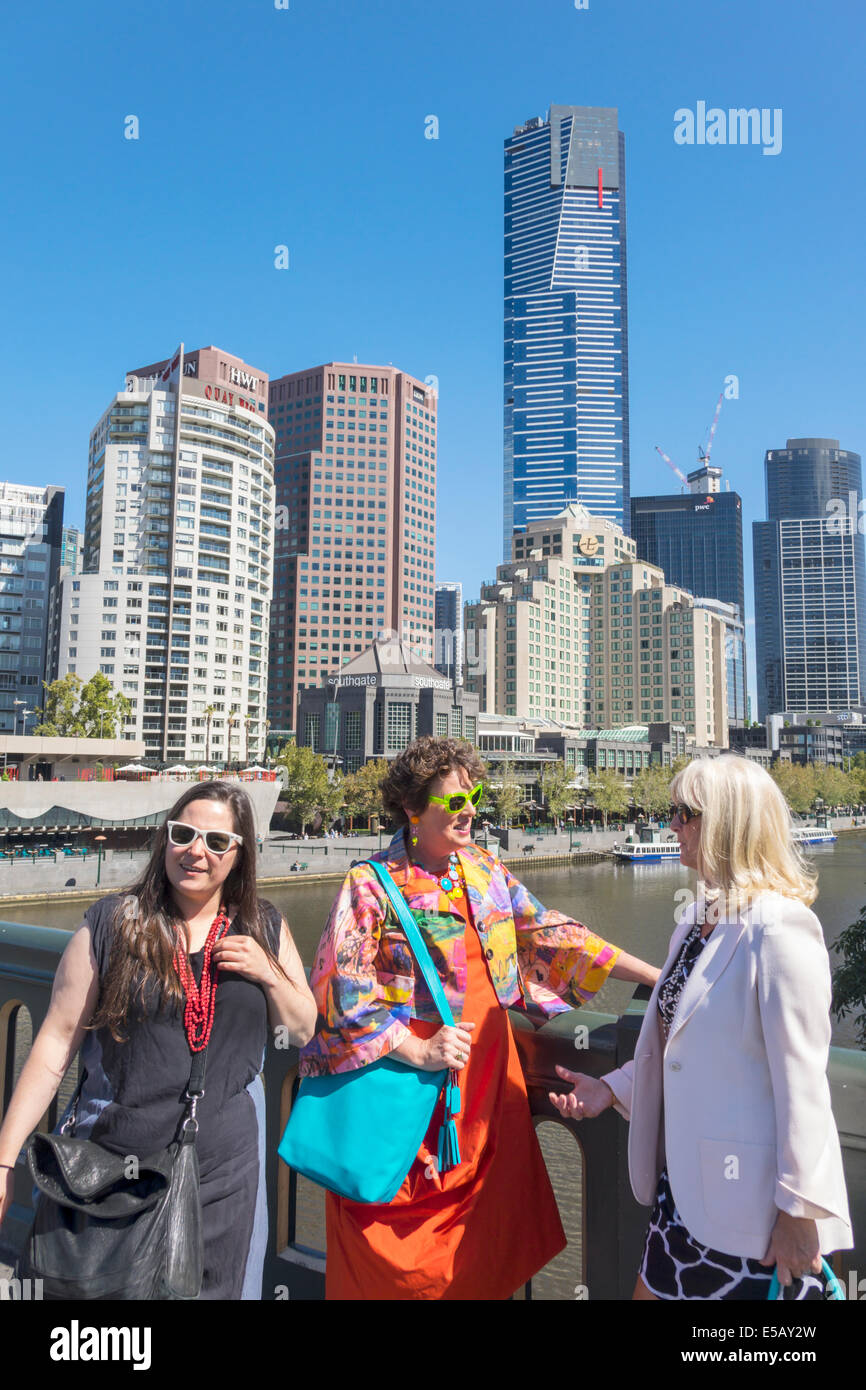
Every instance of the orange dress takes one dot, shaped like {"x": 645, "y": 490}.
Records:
{"x": 482, "y": 1229}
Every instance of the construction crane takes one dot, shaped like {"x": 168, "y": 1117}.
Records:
{"x": 670, "y": 463}
{"x": 704, "y": 454}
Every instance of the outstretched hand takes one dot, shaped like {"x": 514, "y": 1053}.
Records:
{"x": 589, "y": 1098}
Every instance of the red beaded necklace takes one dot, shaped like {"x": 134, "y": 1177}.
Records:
{"x": 200, "y": 1002}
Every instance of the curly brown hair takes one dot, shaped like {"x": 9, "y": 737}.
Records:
{"x": 412, "y": 774}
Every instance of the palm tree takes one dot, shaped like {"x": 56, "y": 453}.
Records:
{"x": 247, "y": 722}
{"x": 267, "y": 756}
{"x": 210, "y": 711}
{"x": 231, "y": 722}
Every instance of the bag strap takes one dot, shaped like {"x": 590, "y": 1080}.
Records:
{"x": 416, "y": 940}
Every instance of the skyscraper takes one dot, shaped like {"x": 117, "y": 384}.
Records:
{"x": 697, "y": 539}
{"x": 31, "y": 525}
{"x": 810, "y": 581}
{"x": 566, "y": 319}
{"x": 449, "y": 630}
{"x": 356, "y": 513}
{"x": 173, "y": 601}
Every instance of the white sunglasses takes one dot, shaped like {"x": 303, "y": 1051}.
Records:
{"x": 215, "y": 841}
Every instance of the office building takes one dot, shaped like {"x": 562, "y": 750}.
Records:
{"x": 577, "y": 630}
{"x": 374, "y": 706}
{"x": 71, "y": 550}
{"x": 448, "y": 634}
{"x": 172, "y": 604}
{"x": 31, "y": 527}
{"x": 696, "y": 538}
{"x": 566, "y": 319}
{"x": 810, "y": 581}
{"x": 356, "y": 513}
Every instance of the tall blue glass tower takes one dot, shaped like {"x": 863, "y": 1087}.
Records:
{"x": 566, "y": 320}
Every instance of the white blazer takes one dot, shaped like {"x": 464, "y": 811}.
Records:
{"x": 737, "y": 1103}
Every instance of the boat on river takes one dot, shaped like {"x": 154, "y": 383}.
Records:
{"x": 812, "y": 835}
{"x": 648, "y": 845}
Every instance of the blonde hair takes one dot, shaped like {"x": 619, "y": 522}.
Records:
{"x": 745, "y": 846}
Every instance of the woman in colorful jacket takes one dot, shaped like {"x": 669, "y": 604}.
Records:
{"x": 465, "y": 1233}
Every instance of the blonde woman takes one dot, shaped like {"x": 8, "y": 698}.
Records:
{"x": 732, "y": 1139}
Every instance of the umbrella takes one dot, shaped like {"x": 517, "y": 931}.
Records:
{"x": 178, "y": 767}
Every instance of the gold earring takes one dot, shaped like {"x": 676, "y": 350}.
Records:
{"x": 414, "y": 822}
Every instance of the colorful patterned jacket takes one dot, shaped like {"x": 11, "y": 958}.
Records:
{"x": 364, "y": 978}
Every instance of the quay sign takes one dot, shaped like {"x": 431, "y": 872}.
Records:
{"x": 219, "y": 393}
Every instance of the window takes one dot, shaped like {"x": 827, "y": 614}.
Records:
{"x": 399, "y": 726}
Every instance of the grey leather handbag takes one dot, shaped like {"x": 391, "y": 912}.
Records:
{"x": 110, "y": 1227}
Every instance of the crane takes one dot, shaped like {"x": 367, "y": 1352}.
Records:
{"x": 704, "y": 454}
{"x": 670, "y": 463}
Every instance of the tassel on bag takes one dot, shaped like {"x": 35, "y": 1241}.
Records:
{"x": 449, "y": 1145}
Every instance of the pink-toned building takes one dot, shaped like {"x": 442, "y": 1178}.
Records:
{"x": 355, "y": 473}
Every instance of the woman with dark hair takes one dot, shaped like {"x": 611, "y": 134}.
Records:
{"x": 481, "y": 1229}
{"x": 189, "y": 951}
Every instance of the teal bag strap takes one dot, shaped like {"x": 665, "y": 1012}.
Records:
{"x": 835, "y": 1291}
{"x": 416, "y": 940}
{"x": 448, "y": 1156}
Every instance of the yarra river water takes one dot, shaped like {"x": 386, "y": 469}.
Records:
{"x": 631, "y": 905}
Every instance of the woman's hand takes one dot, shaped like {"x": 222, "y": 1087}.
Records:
{"x": 794, "y": 1248}
{"x": 244, "y": 956}
{"x": 449, "y": 1047}
{"x": 589, "y": 1098}
{"x": 7, "y": 1186}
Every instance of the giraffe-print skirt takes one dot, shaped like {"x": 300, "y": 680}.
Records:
{"x": 676, "y": 1266}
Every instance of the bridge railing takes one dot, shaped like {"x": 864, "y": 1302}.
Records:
{"x": 588, "y": 1162}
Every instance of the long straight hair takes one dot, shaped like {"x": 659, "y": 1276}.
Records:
{"x": 147, "y": 924}
{"x": 746, "y": 846}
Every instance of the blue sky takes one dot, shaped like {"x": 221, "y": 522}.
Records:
{"x": 305, "y": 127}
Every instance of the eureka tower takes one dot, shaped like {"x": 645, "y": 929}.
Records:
{"x": 566, "y": 323}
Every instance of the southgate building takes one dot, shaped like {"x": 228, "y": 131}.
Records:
{"x": 577, "y": 630}
{"x": 356, "y": 512}
{"x": 173, "y": 601}
{"x": 566, "y": 319}
{"x": 810, "y": 581}
{"x": 697, "y": 539}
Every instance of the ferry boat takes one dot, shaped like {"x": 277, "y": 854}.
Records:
{"x": 811, "y": 835}
{"x": 648, "y": 845}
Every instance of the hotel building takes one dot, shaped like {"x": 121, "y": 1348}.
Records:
{"x": 566, "y": 319}
{"x": 173, "y": 601}
{"x": 356, "y": 515}
{"x": 577, "y": 630}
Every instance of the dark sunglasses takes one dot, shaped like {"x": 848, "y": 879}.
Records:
{"x": 684, "y": 813}
{"x": 216, "y": 841}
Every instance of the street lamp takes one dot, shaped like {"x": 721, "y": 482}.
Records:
{"x": 100, "y": 841}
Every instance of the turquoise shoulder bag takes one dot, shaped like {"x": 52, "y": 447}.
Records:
{"x": 835, "y": 1292}
{"x": 358, "y": 1133}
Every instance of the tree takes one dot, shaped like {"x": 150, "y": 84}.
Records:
{"x": 609, "y": 793}
{"x": 308, "y": 789}
{"x": 362, "y": 790}
{"x": 75, "y": 710}
{"x": 677, "y": 766}
{"x": 833, "y": 786}
{"x": 796, "y": 783}
{"x": 849, "y": 978}
{"x": 651, "y": 789}
{"x": 210, "y": 711}
{"x": 505, "y": 793}
{"x": 556, "y": 788}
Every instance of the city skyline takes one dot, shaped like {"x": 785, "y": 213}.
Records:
{"x": 713, "y": 253}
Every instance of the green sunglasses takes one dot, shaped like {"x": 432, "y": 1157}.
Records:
{"x": 458, "y": 800}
